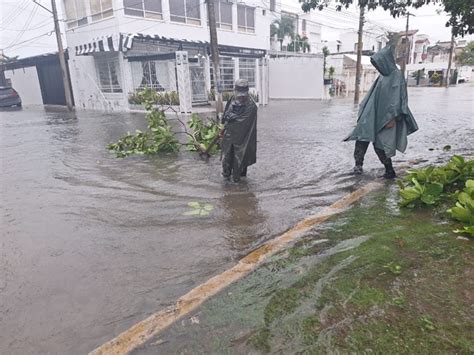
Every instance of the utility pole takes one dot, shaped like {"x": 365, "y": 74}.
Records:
{"x": 407, "y": 46}
{"x": 451, "y": 50}
{"x": 62, "y": 60}
{"x": 215, "y": 55}
{"x": 359, "y": 52}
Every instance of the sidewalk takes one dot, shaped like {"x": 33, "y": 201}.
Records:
{"x": 374, "y": 279}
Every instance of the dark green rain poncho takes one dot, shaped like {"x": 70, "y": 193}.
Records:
{"x": 240, "y": 133}
{"x": 387, "y": 99}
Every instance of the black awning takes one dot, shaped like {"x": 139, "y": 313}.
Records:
{"x": 143, "y": 57}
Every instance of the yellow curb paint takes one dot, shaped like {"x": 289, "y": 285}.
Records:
{"x": 149, "y": 327}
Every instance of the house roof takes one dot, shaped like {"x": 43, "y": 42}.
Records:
{"x": 34, "y": 61}
{"x": 409, "y": 33}
{"x": 365, "y": 59}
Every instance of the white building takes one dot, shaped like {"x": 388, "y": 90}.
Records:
{"x": 419, "y": 51}
{"x": 119, "y": 46}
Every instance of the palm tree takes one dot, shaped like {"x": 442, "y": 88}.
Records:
{"x": 299, "y": 44}
{"x": 282, "y": 28}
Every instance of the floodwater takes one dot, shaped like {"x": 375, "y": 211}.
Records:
{"x": 91, "y": 244}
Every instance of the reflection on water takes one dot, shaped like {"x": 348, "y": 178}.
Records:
{"x": 243, "y": 223}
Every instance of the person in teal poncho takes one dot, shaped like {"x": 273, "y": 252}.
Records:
{"x": 384, "y": 117}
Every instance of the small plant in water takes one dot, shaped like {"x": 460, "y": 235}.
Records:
{"x": 198, "y": 209}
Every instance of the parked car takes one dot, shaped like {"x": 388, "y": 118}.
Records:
{"x": 463, "y": 79}
{"x": 9, "y": 97}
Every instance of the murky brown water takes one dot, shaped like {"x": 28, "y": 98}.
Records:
{"x": 91, "y": 244}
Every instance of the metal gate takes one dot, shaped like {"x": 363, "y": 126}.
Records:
{"x": 198, "y": 81}
{"x": 51, "y": 83}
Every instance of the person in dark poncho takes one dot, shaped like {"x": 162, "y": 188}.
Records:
{"x": 239, "y": 143}
{"x": 384, "y": 117}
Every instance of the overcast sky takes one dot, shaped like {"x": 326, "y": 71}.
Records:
{"x": 26, "y": 29}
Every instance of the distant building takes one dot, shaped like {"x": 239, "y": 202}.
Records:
{"x": 439, "y": 53}
{"x": 406, "y": 46}
{"x": 419, "y": 52}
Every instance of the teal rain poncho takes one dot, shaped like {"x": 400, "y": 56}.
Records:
{"x": 387, "y": 99}
{"x": 240, "y": 135}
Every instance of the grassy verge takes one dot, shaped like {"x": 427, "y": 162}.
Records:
{"x": 376, "y": 279}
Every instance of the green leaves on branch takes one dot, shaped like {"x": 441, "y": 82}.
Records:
{"x": 453, "y": 181}
{"x": 203, "y": 134}
{"x": 160, "y": 137}
{"x": 461, "y": 16}
{"x": 165, "y": 98}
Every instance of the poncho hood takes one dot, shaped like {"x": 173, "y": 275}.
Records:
{"x": 384, "y": 61}
{"x": 387, "y": 99}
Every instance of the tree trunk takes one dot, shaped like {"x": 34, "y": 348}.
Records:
{"x": 451, "y": 49}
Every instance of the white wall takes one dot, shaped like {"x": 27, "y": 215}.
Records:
{"x": 298, "y": 77}
{"x": 131, "y": 24}
{"x": 370, "y": 41}
{"x": 87, "y": 94}
{"x": 25, "y": 81}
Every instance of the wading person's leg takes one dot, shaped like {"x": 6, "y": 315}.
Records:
{"x": 359, "y": 154}
{"x": 387, "y": 163}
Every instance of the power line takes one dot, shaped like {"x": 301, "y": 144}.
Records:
{"x": 25, "y": 26}
{"x": 29, "y": 40}
{"x": 39, "y": 25}
{"x": 15, "y": 13}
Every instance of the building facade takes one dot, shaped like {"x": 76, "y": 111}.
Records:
{"x": 120, "y": 46}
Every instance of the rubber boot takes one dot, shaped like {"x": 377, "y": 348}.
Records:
{"x": 357, "y": 170}
{"x": 389, "y": 172}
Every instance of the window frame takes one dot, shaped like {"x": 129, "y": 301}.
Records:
{"x": 109, "y": 62}
{"x": 187, "y": 20}
{"x": 246, "y": 28}
{"x": 219, "y": 23}
{"x": 76, "y": 21}
{"x": 147, "y": 75}
{"x": 248, "y": 68}
{"x": 144, "y": 13}
{"x": 103, "y": 13}
{"x": 226, "y": 70}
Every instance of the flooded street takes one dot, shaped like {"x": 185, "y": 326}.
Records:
{"x": 91, "y": 244}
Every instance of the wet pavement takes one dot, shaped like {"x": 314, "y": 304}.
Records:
{"x": 91, "y": 244}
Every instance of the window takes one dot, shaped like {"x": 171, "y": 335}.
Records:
{"x": 151, "y": 74}
{"x": 75, "y": 13}
{"x": 227, "y": 73}
{"x": 108, "y": 72}
{"x": 143, "y": 8}
{"x": 101, "y": 9}
{"x": 223, "y": 10}
{"x": 246, "y": 18}
{"x": 272, "y": 5}
{"x": 247, "y": 70}
{"x": 186, "y": 11}
{"x": 303, "y": 25}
